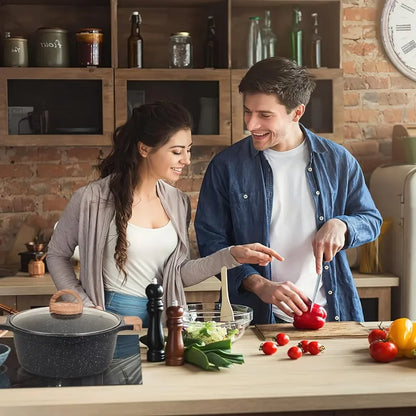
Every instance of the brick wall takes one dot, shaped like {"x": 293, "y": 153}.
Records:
{"x": 376, "y": 95}
{"x": 37, "y": 182}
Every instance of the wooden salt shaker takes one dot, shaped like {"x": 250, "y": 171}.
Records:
{"x": 155, "y": 335}
{"x": 174, "y": 346}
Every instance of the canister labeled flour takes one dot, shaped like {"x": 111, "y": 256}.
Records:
{"x": 51, "y": 47}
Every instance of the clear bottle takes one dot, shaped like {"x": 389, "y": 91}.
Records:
{"x": 180, "y": 50}
{"x": 316, "y": 44}
{"x": 254, "y": 43}
{"x": 268, "y": 37}
{"x": 211, "y": 45}
{"x": 135, "y": 42}
{"x": 297, "y": 37}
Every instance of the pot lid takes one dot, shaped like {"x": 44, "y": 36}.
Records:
{"x": 65, "y": 318}
{"x": 42, "y": 322}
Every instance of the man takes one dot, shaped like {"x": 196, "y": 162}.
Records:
{"x": 288, "y": 188}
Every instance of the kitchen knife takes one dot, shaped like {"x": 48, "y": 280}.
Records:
{"x": 315, "y": 291}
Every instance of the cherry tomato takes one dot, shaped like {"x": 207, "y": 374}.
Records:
{"x": 378, "y": 334}
{"x": 294, "y": 352}
{"x": 314, "y": 347}
{"x": 383, "y": 351}
{"x": 282, "y": 338}
{"x": 303, "y": 345}
{"x": 268, "y": 347}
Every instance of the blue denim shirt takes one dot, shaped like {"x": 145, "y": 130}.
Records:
{"x": 235, "y": 206}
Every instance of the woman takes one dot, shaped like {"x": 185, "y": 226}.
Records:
{"x": 131, "y": 225}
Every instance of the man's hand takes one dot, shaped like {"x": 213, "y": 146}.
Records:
{"x": 285, "y": 295}
{"x": 255, "y": 253}
{"x": 328, "y": 241}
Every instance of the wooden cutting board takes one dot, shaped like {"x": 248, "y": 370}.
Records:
{"x": 329, "y": 330}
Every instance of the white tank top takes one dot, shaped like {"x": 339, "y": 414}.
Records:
{"x": 293, "y": 224}
{"x": 147, "y": 252}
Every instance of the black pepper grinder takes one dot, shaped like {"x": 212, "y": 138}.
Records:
{"x": 174, "y": 346}
{"x": 155, "y": 335}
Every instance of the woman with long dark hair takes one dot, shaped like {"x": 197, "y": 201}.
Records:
{"x": 131, "y": 225}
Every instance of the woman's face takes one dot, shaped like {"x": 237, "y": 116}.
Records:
{"x": 168, "y": 161}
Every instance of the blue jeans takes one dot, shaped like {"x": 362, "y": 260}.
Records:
{"x": 126, "y": 305}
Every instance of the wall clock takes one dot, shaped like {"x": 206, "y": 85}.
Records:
{"x": 398, "y": 34}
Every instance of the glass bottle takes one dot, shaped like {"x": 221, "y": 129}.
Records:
{"x": 211, "y": 45}
{"x": 135, "y": 42}
{"x": 268, "y": 37}
{"x": 254, "y": 43}
{"x": 297, "y": 37}
{"x": 316, "y": 43}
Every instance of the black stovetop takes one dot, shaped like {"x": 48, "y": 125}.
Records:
{"x": 122, "y": 371}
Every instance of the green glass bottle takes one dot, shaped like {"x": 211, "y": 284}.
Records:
{"x": 297, "y": 37}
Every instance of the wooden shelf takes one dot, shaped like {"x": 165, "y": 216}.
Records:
{"x": 160, "y": 19}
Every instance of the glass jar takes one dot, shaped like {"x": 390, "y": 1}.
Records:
{"x": 52, "y": 47}
{"x": 89, "y": 42}
{"x": 180, "y": 50}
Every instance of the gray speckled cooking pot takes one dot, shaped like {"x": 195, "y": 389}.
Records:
{"x": 50, "y": 344}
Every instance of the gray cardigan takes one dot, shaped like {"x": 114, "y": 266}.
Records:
{"x": 85, "y": 222}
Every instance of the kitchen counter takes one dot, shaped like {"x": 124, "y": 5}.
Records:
{"x": 23, "y": 292}
{"x": 343, "y": 377}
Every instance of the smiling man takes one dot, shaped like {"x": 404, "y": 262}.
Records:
{"x": 298, "y": 193}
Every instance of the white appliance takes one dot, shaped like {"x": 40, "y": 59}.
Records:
{"x": 393, "y": 188}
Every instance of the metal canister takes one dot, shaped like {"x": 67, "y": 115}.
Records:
{"x": 52, "y": 47}
{"x": 89, "y": 43}
{"x": 180, "y": 50}
{"x": 15, "y": 51}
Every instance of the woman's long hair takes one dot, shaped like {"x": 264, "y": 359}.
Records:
{"x": 152, "y": 124}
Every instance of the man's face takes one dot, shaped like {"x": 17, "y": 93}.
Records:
{"x": 269, "y": 123}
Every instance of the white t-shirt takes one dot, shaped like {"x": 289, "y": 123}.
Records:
{"x": 293, "y": 224}
{"x": 147, "y": 252}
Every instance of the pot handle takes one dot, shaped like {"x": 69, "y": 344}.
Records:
{"x": 65, "y": 308}
{"x": 6, "y": 325}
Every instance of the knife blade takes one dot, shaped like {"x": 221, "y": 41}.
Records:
{"x": 315, "y": 291}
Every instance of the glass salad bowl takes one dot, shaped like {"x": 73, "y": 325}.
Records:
{"x": 202, "y": 321}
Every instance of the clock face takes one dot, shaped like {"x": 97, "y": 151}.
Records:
{"x": 398, "y": 32}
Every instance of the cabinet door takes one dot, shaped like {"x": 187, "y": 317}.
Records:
{"x": 56, "y": 106}
{"x": 205, "y": 93}
{"x": 324, "y": 114}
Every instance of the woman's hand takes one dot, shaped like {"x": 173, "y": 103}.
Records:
{"x": 135, "y": 321}
{"x": 255, "y": 253}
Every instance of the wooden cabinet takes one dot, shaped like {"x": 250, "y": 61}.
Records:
{"x": 85, "y": 105}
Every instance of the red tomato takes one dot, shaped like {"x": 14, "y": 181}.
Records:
{"x": 268, "y": 347}
{"x": 378, "y": 334}
{"x": 314, "y": 347}
{"x": 294, "y": 353}
{"x": 383, "y": 351}
{"x": 303, "y": 345}
{"x": 282, "y": 339}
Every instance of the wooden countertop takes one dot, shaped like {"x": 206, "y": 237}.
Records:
{"x": 22, "y": 284}
{"x": 343, "y": 377}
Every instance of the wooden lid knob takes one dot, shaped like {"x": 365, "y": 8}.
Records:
{"x": 65, "y": 308}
